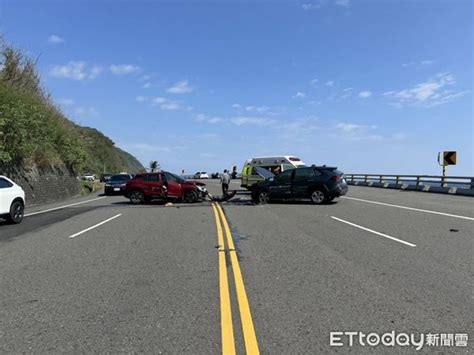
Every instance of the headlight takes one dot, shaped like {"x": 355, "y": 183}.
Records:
{"x": 202, "y": 189}
{"x": 107, "y": 185}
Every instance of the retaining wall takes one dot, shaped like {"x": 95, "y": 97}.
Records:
{"x": 45, "y": 184}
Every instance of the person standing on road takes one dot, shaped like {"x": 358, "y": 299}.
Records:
{"x": 225, "y": 181}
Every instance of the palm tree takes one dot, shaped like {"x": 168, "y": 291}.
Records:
{"x": 154, "y": 166}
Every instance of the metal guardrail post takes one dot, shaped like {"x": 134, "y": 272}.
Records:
{"x": 417, "y": 181}
{"x": 380, "y": 178}
{"x": 397, "y": 180}
{"x": 472, "y": 183}
{"x": 365, "y": 179}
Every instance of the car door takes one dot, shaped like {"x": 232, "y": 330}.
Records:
{"x": 7, "y": 193}
{"x": 302, "y": 179}
{"x": 154, "y": 185}
{"x": 173, "y": 185}
{"x": 281, "y": 185}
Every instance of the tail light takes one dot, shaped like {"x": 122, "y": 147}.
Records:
{"x": 336, "y": 178}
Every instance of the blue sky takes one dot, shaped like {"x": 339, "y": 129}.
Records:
{"x": 369, "y": 86}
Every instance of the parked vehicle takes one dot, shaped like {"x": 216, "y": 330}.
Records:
{"x": 201, "y": 175}
{"x": 116, "y": 184}
{"x": 276, "y": 164}
{"x": 164, "y": 186}
{"x": 12, "y": 200}
{"x": 105, "y": 177}
{"x": 318, "y": 183}
{"x": 88, "y": 177}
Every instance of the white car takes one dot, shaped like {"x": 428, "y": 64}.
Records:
{"x": 89, "y": 177}
{"x": 201, "y": 175}
{"x": 12, "y": 200}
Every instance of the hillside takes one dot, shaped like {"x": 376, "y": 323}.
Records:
{"x": 103, "y": 154}
{"x": 35, "y": 132}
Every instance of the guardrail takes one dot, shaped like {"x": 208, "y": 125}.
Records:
{"x": 458, "y": 185}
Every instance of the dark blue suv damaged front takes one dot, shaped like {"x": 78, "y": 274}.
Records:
{"x": 318, "y": 183}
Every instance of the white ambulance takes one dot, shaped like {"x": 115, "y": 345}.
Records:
{"x": 275, "y": 164}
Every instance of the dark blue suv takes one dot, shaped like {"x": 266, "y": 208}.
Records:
{"x": 318, "y": 183}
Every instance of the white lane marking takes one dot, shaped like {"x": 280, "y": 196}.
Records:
{"x": 410, "y": 208}
{"x": 94, "y": 226}
{"x": 375, "y": 232}
{"x": 60, "y": 207}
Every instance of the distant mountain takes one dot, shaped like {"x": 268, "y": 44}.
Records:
{"x": 103, "y": 155}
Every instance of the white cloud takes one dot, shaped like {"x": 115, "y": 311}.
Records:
{"x": 66, "y": 102}
{"x": 314, "y": 82}
{"x": 299, "y": 129}
{"x": 212, "y": 120}
{"x": 170, "y": 106}
{"x": 356, "y": 131}
{"x": 429, "y": 93}
{"x": 344, "y": 3}
{"x": 207, "y": 155}
{"x": 255, "y": 121}
{"x": 141, "y": 98}
{"x": 365, "y": 94}
{"x": 299, "y": 95}
{"x": 353, "y": 127}
{"x": 260, "y": 109}
{"x": 201, "y": 117}
{"x": 329, "y": 83}
{"x": 310, "y": 6}
{"x": 55, "y": 39}
{"x": 237, "y": 106}
{"x": 150, "y": 148}
{"x": 147, "y": 85}
{"x": 124, "y": 69}
{"x": 76, "y": 70}
{"x": 85, "y": 112}
{"x": 427, "y": 62}
{"x": 181, "y": 87}
{"x": 347, "y": 92}
{"x": 421, "y": 63}
{"x": 165, "y": 104}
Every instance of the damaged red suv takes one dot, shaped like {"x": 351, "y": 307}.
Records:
{"x": 164, "y": 186}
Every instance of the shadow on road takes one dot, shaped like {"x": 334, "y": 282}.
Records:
{"x": 249, "y": 202}
{"x": 38, "y": 222}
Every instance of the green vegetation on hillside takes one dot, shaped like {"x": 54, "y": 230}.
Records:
{"x": 34, "y": 131}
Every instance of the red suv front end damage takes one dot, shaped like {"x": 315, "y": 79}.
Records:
{"x": 164, "y": 186}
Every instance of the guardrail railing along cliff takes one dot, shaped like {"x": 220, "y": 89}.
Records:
{"x": 456, "y": 185}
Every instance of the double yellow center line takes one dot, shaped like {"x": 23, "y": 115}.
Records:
{"x": 227, "y": 329}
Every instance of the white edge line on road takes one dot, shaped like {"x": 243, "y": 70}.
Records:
{"x": 410, "y": 208}
{"x": 94, "y": 226}
{"x": 375, "y": 232}
{"x": 60, "y": 207}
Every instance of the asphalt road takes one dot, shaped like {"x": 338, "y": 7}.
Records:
{"x": 159, "y": 279}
